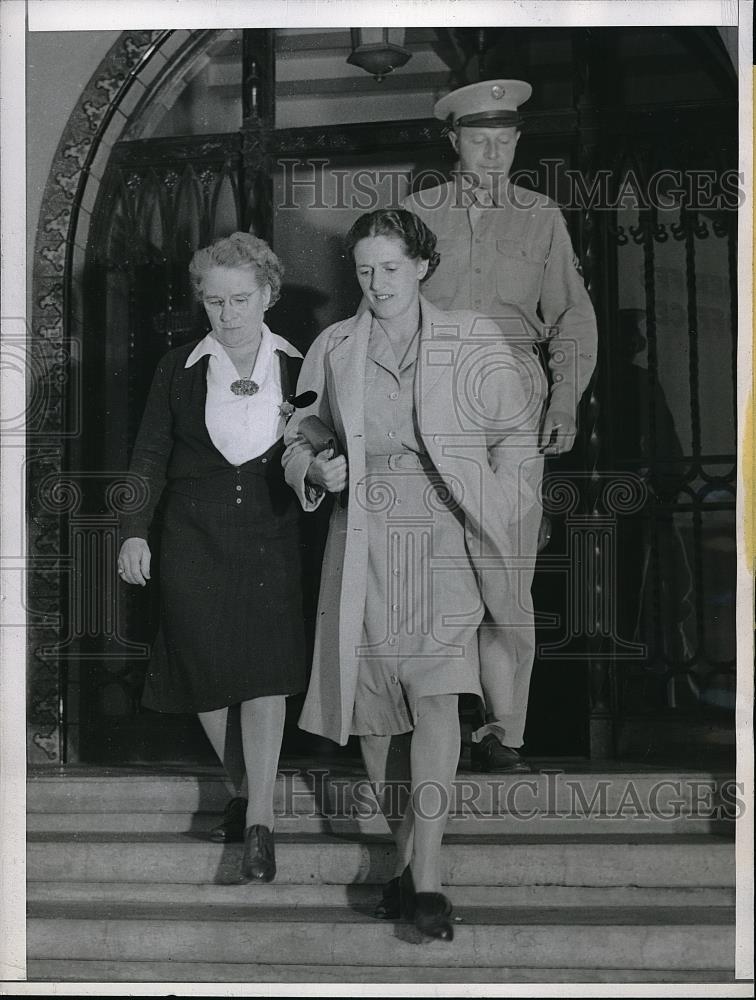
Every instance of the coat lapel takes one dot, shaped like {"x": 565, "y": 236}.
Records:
{"x": 347, "y": 360}
{"x": 459, "y": 452}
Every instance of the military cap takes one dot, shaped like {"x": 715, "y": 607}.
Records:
{"x": 491, "y": 102}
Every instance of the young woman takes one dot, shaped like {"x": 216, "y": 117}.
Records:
{"x": 417, "y": 555}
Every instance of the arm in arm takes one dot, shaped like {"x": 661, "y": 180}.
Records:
{"x": 310, "y": 476}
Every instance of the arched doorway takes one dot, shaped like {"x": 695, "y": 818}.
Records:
{"x": 222, "y": 138}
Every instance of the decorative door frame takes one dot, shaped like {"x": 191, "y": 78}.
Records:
{"x": 55, "y": 409}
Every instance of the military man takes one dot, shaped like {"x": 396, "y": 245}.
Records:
{"x": 506, "y": 253}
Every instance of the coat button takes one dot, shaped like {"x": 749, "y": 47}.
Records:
{"x": 394, "y": 607}
{"x": 238, "y": 499}
{"x": 394, "y": 679}
{"x": 393, "y": 395}
{"x": 392, "y": 641}
{"x": 238, "y": 487}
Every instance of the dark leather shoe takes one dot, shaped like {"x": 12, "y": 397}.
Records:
{"x": 407, "y": 894}
{"x": 490, "y": 755}
{"x": 389, "y": 907}
{"x": 259, "y": 858}
{"x": 230, "y": 830}
{"x": 430, "y": 911}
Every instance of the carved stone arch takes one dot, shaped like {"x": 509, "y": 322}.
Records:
{"x": 99, "y": 118}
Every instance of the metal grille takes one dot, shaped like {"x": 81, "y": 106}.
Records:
{"x": 672, "y": 382}
{"x": 671, "y": 423}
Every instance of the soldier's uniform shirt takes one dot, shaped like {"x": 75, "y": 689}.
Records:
{"x": 514, "y": 253}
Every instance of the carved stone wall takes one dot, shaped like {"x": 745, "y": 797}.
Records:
{"x": 56, "y": 410}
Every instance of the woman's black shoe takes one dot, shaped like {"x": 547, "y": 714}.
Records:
{"x": 259, "y": 858}
{"x": 407, "y": 894}
{"x": 389, "y": 907}
{"x": 230, "y": 830}
{"x": 430, "y": 911}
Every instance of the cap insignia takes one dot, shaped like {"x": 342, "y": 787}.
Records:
{"x": 497, "y": 92}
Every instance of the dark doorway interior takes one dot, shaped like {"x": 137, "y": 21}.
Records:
{"x": 161, "y": 198}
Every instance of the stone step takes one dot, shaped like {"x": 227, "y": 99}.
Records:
{"x": 365, "y": 896}
{"x": 586, "y": 860}
{"x": 648, "y": 796}
{"x": 73, "y": 970}
{"x": 642, "y": 938}
{"x": 374, "y": 824}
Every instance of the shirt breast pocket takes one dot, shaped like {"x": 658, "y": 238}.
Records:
{"x": 519, "y": 273}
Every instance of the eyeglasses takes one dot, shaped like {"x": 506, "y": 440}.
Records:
{"x": 239, "y": 300}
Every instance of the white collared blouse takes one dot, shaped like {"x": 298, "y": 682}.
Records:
{"x": 243, "y": 427}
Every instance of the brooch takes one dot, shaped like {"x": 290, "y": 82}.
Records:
{"x": 244, "y": 387}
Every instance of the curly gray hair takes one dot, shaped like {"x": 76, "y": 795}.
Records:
{"x": 238, "y": 250}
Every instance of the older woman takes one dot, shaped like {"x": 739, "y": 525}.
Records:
{"x": 210, "y": 444}
{"x": 436, "y": 419}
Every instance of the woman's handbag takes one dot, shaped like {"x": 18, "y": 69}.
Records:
{"x": 319, "y": 435}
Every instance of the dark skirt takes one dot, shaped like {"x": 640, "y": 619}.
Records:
{"x": 231, "y": 616}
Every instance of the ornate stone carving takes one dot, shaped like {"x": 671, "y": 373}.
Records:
{"x": 54, "y": 383}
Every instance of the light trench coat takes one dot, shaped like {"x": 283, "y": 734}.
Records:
{"x": 478, "y": 401}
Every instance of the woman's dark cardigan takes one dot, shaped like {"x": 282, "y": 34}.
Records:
{"x": 173, "y": 447}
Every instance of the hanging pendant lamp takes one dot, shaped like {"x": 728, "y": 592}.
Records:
{"x": 373, "y": 52}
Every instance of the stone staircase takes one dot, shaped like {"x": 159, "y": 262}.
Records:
{"x": 576, "y": 873}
